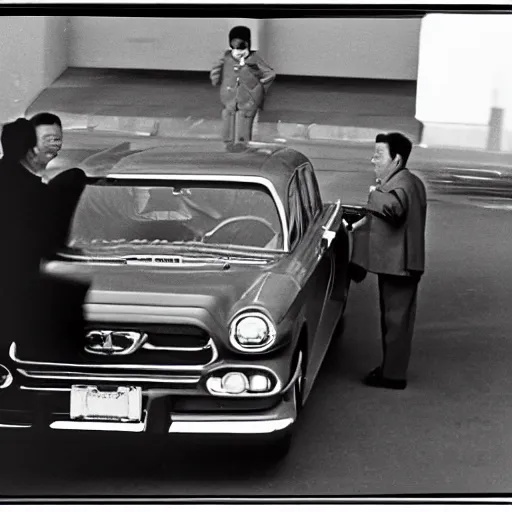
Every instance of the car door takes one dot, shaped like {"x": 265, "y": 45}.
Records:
{"x": 352, "y": 214}
{"x": 324, "y": 244}
{"x": 307, "y": 265}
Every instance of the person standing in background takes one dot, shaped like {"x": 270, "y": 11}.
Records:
{"x": 244, "y": 79}
{"x": 390, "y": 242}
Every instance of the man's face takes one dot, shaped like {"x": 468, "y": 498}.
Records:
{"x": 381, "y": 160}
{"x": 49, "y": 143}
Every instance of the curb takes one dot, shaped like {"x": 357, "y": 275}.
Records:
{"x": 209, "y": 129}
{"x": 280, "y": 132}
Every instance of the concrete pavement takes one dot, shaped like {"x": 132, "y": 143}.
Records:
{"x": 177, "y": 104}
{"x": 446, "y": 433}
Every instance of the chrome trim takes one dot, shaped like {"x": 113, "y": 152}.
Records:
{"x": 106, "y": 378}
{"x": 8, "y": 379}
{"x": 8, "y": 425}
{"x": 295, "y": 375}
{"x": 108, "y": 349}
{"x": 105, "y": 260}
{"x": 328, "y": 234}
{"x": 330, "y": 222}
{"x": 153, "y": 258}
{"x": 215, "y": 355}
{"x": 30, "y": 388}
{"x": 215, "y": 177}
{"x": 240, "y": 367}
{"x": 150, "y": 346}
{"x": 104, "y": 426}
{"x": 149, "y": 393}
{"x": 271, "y": 337}
{"x": 230, "y": 427}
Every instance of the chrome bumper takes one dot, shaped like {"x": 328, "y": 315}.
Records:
{"x": 274, "y": 420}
{"x": 279, "y": 418}
{"x": 15, "y": 425}
{"x": 230, "y": 427}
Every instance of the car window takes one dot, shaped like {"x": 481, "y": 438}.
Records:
{"x": 299, "y": 218}
{"x": 313, "y": 189}
{"x": 304, "y": 194}
{"x": 155, "y": 214}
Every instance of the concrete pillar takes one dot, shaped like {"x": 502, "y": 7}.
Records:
{"x": 455, "y": 79}
{"x": 464, "y": 85}
{"x": 496, "y": 121}
{"x": 500, "y": 121}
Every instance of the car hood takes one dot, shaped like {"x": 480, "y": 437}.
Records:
{"x": 223, "y": 292}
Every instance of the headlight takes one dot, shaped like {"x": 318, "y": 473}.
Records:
{"x": 252, "y": 332}
{"x": 5, "y": 377}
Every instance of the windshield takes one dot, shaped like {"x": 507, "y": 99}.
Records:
{"x": 155, "y": 214}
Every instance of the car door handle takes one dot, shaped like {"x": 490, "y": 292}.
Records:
{"x": 327, "y": 237}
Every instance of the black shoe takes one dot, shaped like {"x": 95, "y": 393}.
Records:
{"x": 375, "y": 373}
{"x": 376, "y": 380}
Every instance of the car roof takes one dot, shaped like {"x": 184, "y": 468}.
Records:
{"x": 273, "y": 162}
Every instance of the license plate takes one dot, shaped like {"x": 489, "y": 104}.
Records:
{"x": 122, "y": 404}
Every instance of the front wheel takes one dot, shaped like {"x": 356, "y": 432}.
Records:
{"x": 277, "y": 450}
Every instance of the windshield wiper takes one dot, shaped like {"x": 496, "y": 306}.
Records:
{"x": 193, "y": 256}
{"x": 169, "y": 259}
{"x": 226, "y": 250}
{"x": 99, "y": 259}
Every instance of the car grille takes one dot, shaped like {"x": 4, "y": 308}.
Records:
{"x": 170, "y": 345}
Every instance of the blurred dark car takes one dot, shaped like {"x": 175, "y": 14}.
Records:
{"x": 474, "y": 181}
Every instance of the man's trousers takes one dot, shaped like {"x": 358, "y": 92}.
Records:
{"x": 237, "y": 125}
{"x": 397, "y": 297}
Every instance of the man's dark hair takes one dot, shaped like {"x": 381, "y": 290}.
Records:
{"x": 398, "y": 144}
{"x": 17, "y": 138}
{"x": 45, "y": 118}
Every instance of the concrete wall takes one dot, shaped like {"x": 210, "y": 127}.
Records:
{"x": 365, "y": 48}
{"x": 33, "y": 53}
{"x": 147, "y": 43}
{"x": 358, "y": 47}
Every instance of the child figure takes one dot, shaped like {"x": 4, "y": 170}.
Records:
{"x": 244, "y": 79}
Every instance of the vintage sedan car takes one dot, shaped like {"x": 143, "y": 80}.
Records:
{"x": 217, "y": 282}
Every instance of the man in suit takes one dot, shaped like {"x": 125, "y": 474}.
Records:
{"x": 390, "y": 242}
{"x": 34, "y": 220}
{"x": 23, "y": 207}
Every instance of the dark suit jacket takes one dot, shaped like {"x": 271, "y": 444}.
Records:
{"x": 393, "y": 239}
{"x": 65, "y": 191}
{"x": 34, "y": 220}
{"x": 24, "y": 222}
